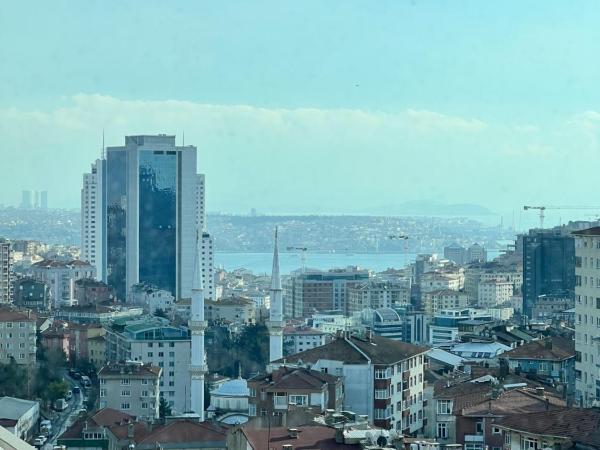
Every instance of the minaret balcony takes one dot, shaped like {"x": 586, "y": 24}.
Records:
{"x": 197, "y": 324}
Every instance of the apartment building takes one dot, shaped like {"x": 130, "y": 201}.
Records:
{"x": 435, "y": 301}
{"x": 5, "y": 271}
{"x": 154, "y": 341}
{"x": 494, "y": 292}
{"x": 132, "y": 388}
{"x": 17, "y": 336}
{"x": 296, "y": 340}
{"x": 377, "y": 294}
{"x": 60, "y": 277}
{"x": 587, "y": 316}
{"x": 383, "y": 378}
{"x": 231, "y": 309}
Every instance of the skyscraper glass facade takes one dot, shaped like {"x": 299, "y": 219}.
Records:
{"x": 158, "y": 218}
{"x": 116, "y": 221}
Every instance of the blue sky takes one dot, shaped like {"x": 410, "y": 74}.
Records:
{"x": 336, "y": 106}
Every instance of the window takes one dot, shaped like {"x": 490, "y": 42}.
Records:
{"x": 442, "y": 430}
{"x": 300, "y": 400}
{"x": 102, "y": 392}
{"x": 528, "y": 443}
{"x": 381, "y": 393}
{"x": 125, "y": 393}
{"x": 125, "y": 406}
{"x": 479, "y": 428}
{"x": 444, "y": 407}
{"x": 144, "y": 405}
{"x": 496, "y": 430}
{"x": 382, "y": 374}
{"x": 125, "y": 382}
{"x": 253, "y": 394}
{"x": 252, "y": 410}
{"x": 144, "y": 381}
{"x": 144, "y": 394}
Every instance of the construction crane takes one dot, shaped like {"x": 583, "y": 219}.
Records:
{"x": 302, "y": 251}
{"x": 542, "y": 210}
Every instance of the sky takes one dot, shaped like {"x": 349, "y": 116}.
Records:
{"x": 334, "y": 106}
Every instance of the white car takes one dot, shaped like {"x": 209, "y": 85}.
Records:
{"x": 38, "y": 442}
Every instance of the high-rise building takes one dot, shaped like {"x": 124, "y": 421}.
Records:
{"x": 5, "y": 271}
{"x": 311, "y": 291}
{"x": 548, "y": 266}
{"x": 587, "y": 316}
{"x": 141, "y": 207}
{"x": 476, "y": 253}
{"x": 455, "y": 253}
{"x": 44, "y": 199}
{"x": 27, "y": 200}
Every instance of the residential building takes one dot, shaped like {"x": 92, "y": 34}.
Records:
{"x": 97, "y": 351}
{"x": 88, "y": 291}
{"x": 332, "y": 322}
{"x": 154, "y": 341}
{"x": 60, "y": 277}
{"x": 551, "y": 306}
{"x": 456, "y": 253}
{"x": 56, "y": 337}
{"x": 131, "y": 387}
{"x": 111, "y": 429}
{"x": 145, "y": 206}
{"x": 31, "y": 294}
{"x": 19, "y": 416}
{"x": 587, "y": 315}
{"x": 80, "y": 336}
{"x": 483, "y": 352}
{"x": 96, "y": 313}
{"x": 551, "y": 359}
{"x": 548, "y": 266}
{"x": 298, "y": 339}
{"x": 383, "y": 378}
{"x": 5, "y": 271}
{"x": 384, "y": 322}
{"x": 377, "y": 293}
{"x": 494, "y": 292}
{"x": 448, "y": 324}
{"x": 17, "y": 336}
{"x": 307, "y": 292}
{"x": 294, "y": 387}
{"x": 438, "y": 300}
{"x": 561, "y": 428}
{"x": 9, "y": 441}
{"x": 476, "y": 253}
{"x": 231, "y": 310}
{"x": 151, "y": 298}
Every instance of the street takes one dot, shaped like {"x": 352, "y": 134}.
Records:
{"x": 65, "y": 419}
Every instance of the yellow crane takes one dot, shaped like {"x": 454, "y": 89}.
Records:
{"x": 542, "y": 210}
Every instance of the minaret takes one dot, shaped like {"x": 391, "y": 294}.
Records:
{"x": 275, "y": 323}
{"x": 197, "y": 324}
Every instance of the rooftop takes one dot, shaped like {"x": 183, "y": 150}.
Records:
{"x": 309, "y": 437}
{"x": 232, "y": 388}
{"x": 594, "y": 231}
{"x": 13, "y": 408}
{"x": 552, "y": 349}
{"x": 355, "y": 350}
{"x": 294, "y": 378}
{"x": 131, "y": 369}
{"x": 13, "y": 315}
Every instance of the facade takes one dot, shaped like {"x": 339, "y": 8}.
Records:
{"x": 551, "y": 306}
{"x": 456, "y": 253}
{"x": 551, "y": 359}
{"x": 377, "y": 294}
{"x": 296, "y": 340}
{"x": 31, "y": 294}
{"x": 232, "y": 310}
{"x": 151, "y": 298}
{"x": 56, "y": 338}
{"x": 97, "y": 351}
{"x": 5, "y": 271}
{"x": 587, "y": 317}
{"x": 494, "y": 292}
{"x": 92, "y": 292}
{"x": 19, "y": 416}
{"x": 146, "y": 213}
{"x": 309, "y": 292}
{"x": 448, "y": 324}
{"x": 229, "y": 401}
{"x": 294, "y": 387}
{"x": 383, "y": 378}
{"x": 476, "y": 253}
{"x": 153, "y": 341}
{"x": 60, "y": 277}
{"x": 17, "y": 337}
{"x": 132, "y": 388}
{"x": 548, "y": 266}
{"x": 438, "y": 300}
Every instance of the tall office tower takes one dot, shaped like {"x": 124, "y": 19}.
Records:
{"x": 455, "y": 253}
{"x": 5, "y": 272}
{"x": 476, "y": 253}
{"x": 208, "y": 276}
{"x": 36, "y": 199}
{"x": 92, "y": 219}
{"x": 44, "y": 199}
{"x": 275, "y": 323}
{"x": 197, "y": 324}
{"x": 148, "y": 214}
{"x": 26, "y": 200}
{"x": 548, "y": 266}
{"x": 587, "y": 314}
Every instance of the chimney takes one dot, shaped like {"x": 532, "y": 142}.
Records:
{"x": 548, "y": 343}
{"x": 368, "y": 334}
{"x": 293, "y": 433}
{"x": 540, "y": 391}
{"x": 130, "y": 430}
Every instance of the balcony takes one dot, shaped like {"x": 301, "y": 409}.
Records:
{"x": 406, "y": 376}
{"x": 473, "y": 437}
{"x": 280, "y": 402}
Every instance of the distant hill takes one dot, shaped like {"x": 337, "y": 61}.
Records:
{"x": 432, "y": 208}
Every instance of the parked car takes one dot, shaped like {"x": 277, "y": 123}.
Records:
{"x": 37, "y": 442}
{"x": 76, "y": 390}
{"x": 85, "y": 381}
{"x": 69, "y": 395}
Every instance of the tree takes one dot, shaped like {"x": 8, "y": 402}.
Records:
{"x": 56, "y": 389}
{"x": 164, "y": 409}
{"x": 13, "y": 380}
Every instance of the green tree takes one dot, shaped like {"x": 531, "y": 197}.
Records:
{"x": 13, "y": 380}
{"x": 55, "y": 390}
{"x": 164, "y": 409}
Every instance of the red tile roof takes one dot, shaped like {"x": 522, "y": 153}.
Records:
{"x": 185, "y": 431}
{"x": 566, "y": 422}
{"x": 551, "y": 349}
{"x": 309, "y": 437}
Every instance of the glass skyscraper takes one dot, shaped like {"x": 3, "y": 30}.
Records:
{"x": 147, "y": 214}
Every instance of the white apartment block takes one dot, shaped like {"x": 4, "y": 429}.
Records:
{"x": 17, "y": 337}
{"x": 132, "y": 388}
{"x": 91, "y": 219}
{"x": 435, "y": 301}
{"x": 153, "y": 341}
{"x": 60, "y": 277}
{"x": 587, "y": 316}
{"x": 208, "y": 264}
{"x": 494, "y": 292}
{"x": 296, "y": 340}
{"x": 5, "y": 272}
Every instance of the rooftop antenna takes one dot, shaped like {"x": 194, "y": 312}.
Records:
{"x": 183, "y": 144}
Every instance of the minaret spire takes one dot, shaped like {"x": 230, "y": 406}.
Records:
{"x": 275, "y": 323}
{"x": 197, "y": 324}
